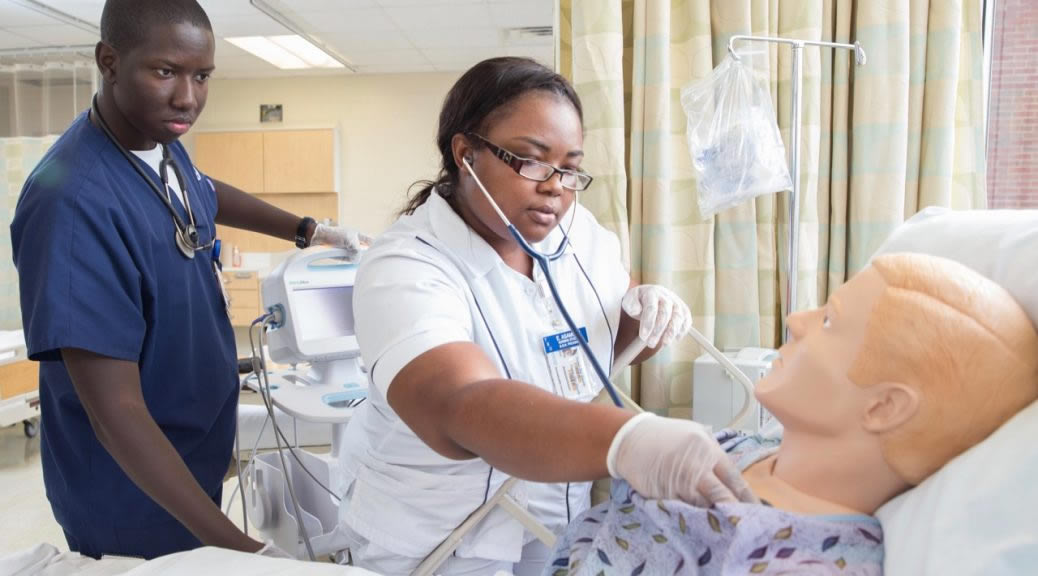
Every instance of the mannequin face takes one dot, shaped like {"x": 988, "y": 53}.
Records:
{"x": 808, "y": 389}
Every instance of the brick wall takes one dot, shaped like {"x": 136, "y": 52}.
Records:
{"x": 1013, "y": 106}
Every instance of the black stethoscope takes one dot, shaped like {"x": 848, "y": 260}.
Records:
{"x": 186, "y": 236}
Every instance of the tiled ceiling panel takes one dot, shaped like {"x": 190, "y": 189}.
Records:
{"x": 376, "y": 36}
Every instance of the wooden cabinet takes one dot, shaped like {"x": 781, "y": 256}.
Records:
{"x": 291, "y": 169}
{"x": 244, "y": 289}
{"x": 232, "y": 157}
{"x": 298, "y": 161}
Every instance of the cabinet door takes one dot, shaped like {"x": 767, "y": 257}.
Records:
{"x": 298, "y": 161}
{"x": 233, "y": 157}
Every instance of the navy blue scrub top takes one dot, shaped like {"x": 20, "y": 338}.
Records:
{"x": 99, "y": 270}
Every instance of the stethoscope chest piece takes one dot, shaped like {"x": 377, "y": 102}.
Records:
{"x": 185, "y": 248}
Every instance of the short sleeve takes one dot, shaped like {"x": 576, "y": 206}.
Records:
{"x": 405, "y": 304}
{"x": 80, "y": 287}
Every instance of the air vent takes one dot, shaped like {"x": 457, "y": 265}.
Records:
{"x": 530, "y": 32}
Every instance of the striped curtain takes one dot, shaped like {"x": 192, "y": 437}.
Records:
{"x": 18, "y": 157}
{"x": 879, "y": 143}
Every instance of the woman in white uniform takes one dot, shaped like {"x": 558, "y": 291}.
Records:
{"x": 474, "y": 375}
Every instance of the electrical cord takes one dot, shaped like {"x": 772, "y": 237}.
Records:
{"x": 263, "y": 322}
{"x": 288, "y": 445}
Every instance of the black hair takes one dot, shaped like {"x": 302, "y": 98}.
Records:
{"x": 484, "y": 91}
{"x": 125, "y": 24}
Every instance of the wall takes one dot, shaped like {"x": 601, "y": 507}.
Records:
{"x": 387, "y": 127}
{"x": 1013, "y": 106}
{"x": 6, "y": 113}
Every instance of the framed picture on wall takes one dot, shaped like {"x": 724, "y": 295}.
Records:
{"x": 270, "y": 112}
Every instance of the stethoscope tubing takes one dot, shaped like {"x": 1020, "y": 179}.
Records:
{"x": 543, "y": 260}
{"x": 167, "y": 160}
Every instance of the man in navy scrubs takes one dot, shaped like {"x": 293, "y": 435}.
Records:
{"x": 138, "y": 380}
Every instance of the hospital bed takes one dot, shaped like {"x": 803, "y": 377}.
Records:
{"x": 19, "y": 384}
{"x": 975, "y": 516}
{"x": 46, "y": 560}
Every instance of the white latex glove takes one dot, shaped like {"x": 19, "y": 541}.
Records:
{"x": 667, "y": 458}
{"x": 341, "y": 237}
{"x": 271, "y": 550}
{"x": 663, "y": 317}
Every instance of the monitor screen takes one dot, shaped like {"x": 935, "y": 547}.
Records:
{"x": 322, "y": 313}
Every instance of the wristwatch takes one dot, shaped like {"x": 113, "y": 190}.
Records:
{"x": 301, "y": 240}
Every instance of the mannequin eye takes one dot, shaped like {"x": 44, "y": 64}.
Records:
{"x": 826, "y": 323}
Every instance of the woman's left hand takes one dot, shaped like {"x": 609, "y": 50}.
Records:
{"x": 662, "y": 315}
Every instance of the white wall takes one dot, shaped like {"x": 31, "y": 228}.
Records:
{"x": 387, "y": 126}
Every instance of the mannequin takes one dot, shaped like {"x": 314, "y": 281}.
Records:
{"x": 910, "y": 363}
{"x": 914, "y": 345}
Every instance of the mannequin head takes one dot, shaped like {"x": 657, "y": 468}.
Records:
{"x": 910, "y": 363}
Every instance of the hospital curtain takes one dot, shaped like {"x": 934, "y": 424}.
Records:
{"x": 879, "y": 143}
{"x": 18, "y": 157}
{"x": 39, "y": 98}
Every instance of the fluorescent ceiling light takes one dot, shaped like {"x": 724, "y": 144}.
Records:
{"x": 289, "y": 52}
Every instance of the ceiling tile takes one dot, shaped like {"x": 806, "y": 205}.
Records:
{"x": 442, "y": 3}
{"x": 396, "y": 69}
{"x": 298, "y": 6}
{"x": 57, "y": 34}
{"x": 89, "y": 10}
{"x": 217, "y": 8}
{"x": 462, "y": 56}
{"x": 371, "y": 19}
{"x": 389, "y": 58}
{"x": 9, "y": 39}
{"x": 14, "y": 16}
{"x": 257, "y": 24}
{"x": 440, "y": 16}
{"x": 360, "y": 41}
{"x": 516, "y": 14}
{"x": 455, "y": 37}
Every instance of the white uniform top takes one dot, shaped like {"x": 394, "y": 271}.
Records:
{"x": 431, "y": 280}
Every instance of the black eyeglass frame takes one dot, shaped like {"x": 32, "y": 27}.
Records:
{"x": 516, "y": 162}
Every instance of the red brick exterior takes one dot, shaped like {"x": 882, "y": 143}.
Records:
{"x": 1012, "y": 171}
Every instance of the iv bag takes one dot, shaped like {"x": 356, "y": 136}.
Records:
{"x": 733, "y": 136}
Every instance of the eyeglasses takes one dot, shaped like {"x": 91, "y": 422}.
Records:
{"x": 538, "y": 171}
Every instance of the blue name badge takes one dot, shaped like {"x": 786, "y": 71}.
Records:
{"x": 562, "y": 341}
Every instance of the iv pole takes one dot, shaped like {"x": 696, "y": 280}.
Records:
{"x": 793, "y": 242}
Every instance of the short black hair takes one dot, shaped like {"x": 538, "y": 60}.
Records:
{"x": 126, "y": 23}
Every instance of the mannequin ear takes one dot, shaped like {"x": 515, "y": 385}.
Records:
{"x": 890, "y": 405}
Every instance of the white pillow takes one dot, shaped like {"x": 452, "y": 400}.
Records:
{"x": 978, "y": 515}
{"x": 1000, "y": 244}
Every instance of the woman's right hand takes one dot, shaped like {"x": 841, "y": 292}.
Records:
{"x": 667, "y": 458}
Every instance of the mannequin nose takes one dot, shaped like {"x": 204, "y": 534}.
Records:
{"x": 798, "y": 323}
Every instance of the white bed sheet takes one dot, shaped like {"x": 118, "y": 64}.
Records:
{"x": 46, "y": 560}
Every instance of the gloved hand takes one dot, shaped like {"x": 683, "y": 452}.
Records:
{"x": 663, "y": 317}
{"x": 668, "y": 458}
{"x": 341, "y": 237}
{"x": 271, "y": 550}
